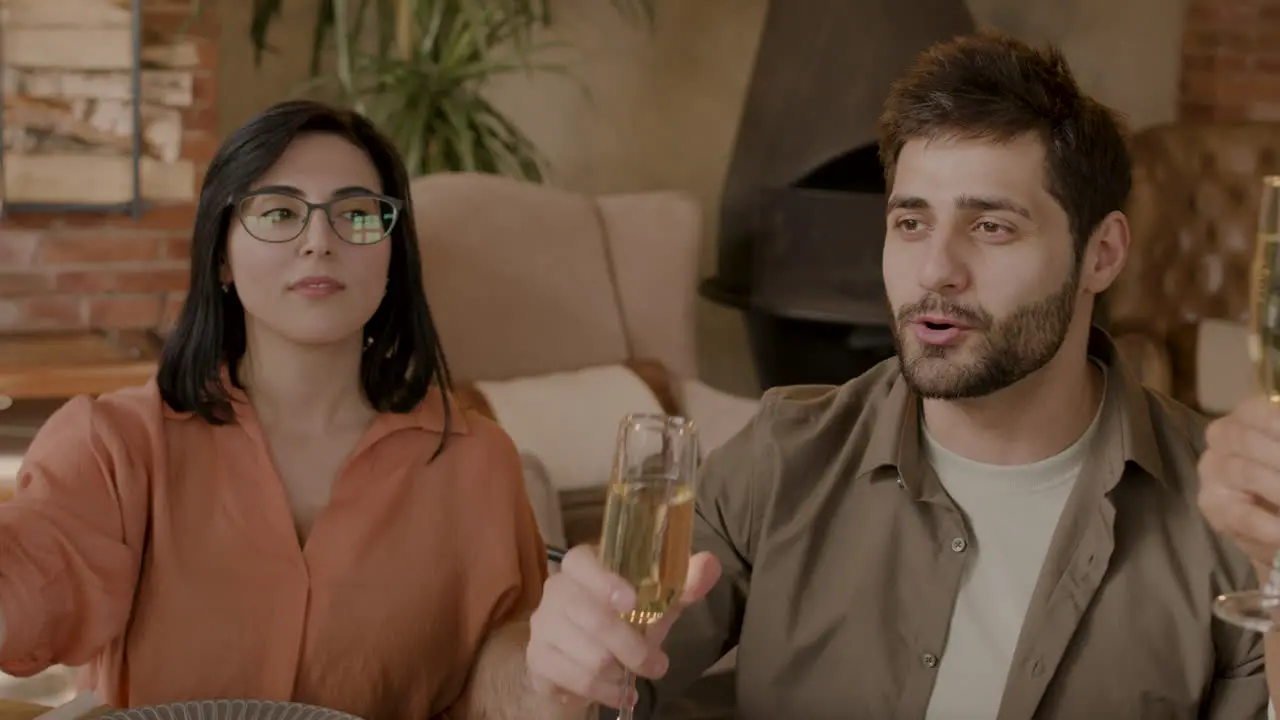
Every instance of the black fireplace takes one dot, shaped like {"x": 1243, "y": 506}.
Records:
{"x": 802, "y": 215}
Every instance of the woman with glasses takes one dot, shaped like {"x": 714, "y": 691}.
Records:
{"x": 293, "y": 509}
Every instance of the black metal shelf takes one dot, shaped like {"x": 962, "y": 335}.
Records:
{"x": 134, "y": 206}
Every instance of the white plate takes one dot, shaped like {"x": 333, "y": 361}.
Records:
{"x": 229, "y": 710}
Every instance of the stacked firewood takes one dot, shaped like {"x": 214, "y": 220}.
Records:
{"x": 68, "y": 124}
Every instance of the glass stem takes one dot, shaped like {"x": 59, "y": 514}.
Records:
{"x": 627, "y": 711}
{"x": 628, "y": 682}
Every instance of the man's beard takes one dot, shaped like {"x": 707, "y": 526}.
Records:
{"x": 1008, "y": 349}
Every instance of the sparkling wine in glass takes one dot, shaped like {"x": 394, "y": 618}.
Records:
{"x": 1260, "y": 609}
{"x": 648, "y": 519}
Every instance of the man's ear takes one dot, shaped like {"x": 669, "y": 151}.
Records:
{"x": 1106, "y": 253}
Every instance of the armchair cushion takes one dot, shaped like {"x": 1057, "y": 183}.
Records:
{"x": 1224, "y": 372}
{"x": 651, "y": 373}
{"x": 569, "y": 420}
{"x": 565, "y": 426}
{"x": 718, "y": 415}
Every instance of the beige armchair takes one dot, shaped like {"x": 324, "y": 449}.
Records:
{"x": 1178, "y": 308}
{"x": 527, "y": 280}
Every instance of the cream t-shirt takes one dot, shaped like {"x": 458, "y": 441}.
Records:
{"x": 1012, "y": 512}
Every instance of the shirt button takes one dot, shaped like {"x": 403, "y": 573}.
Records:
{"x": 930, "y": 660}
{"x": 958, "y": 545}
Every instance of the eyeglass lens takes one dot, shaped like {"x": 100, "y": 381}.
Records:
{"x": 359, "y": 220}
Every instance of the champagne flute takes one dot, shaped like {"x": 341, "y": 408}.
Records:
{"x": 1259, "y": 609}
{"x": 648, "y": 518}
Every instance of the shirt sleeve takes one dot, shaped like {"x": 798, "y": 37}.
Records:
{"x": 526, "y": 552}
{"x": 1239, "y": 687}
{"x": 70, "y": 541}
{"x": 1243, "y": 696}
{"x": 732, "y": 483}
{"x": 516, "y": 557}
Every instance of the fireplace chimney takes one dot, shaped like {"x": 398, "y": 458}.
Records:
{"x": 802, "y": 211}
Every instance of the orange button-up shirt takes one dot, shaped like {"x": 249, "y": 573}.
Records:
{"x": 160, "y": 551}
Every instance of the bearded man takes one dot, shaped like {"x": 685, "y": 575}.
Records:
{"x": 999, "y": 523}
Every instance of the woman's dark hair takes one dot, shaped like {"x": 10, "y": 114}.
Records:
{"x": 402, "y": 357}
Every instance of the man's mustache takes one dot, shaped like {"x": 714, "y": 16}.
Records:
{"x": 933, "y": 305}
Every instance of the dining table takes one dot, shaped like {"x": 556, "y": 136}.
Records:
{"x": 17, "y": 710}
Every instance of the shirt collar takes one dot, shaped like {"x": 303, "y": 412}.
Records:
{"x": 1125, "y": 431}
{"x": 429, "y": 415}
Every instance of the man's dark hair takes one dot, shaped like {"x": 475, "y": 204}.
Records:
{"x": 992, "y": 87}
{"x": 402, "y": 356}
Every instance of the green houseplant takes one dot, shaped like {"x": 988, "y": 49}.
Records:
{"x": 418, "y": 68}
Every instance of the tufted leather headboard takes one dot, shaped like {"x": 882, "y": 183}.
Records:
{"x": 1192, "y": 214}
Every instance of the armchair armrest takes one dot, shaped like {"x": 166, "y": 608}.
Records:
{"x": 719, "y": 415}
{"x": 544, "y": 500}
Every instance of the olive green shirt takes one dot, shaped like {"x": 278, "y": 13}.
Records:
{"x": 843, "y": 557}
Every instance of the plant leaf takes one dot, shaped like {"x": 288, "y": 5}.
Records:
{"x": 325, "y": 17}
{"x": 264, "y": 12}
{"x": 429, "y": 98}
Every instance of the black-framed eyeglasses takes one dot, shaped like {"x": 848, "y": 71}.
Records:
{"x": 278, "y": 217}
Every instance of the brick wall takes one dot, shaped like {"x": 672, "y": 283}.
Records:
{"x": 1231, "y": 60}
{"x": 97, "y": 270}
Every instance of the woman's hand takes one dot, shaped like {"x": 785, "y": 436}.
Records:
{"x": 1240, "y": 478}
